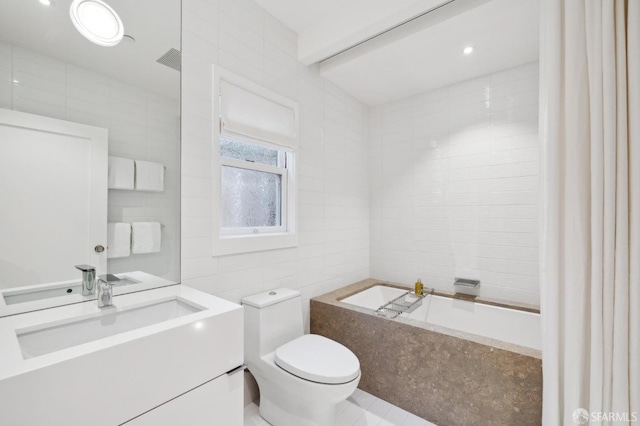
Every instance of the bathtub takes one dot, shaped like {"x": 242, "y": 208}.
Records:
{"x": 450, "y": 361}
{"x": 495, "y": 322}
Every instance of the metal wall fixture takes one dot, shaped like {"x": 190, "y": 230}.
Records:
{"x": 465, "y": 282}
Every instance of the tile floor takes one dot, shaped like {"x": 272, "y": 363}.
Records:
{"x": 361, "y": 409}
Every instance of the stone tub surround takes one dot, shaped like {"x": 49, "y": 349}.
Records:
{"x": 432, "y": 371}
{"x": 334, "y": 298}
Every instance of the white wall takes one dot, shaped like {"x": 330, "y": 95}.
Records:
{"x": 142, "y": 125}
{"x": 454, "y": 178}
{"x": 333, "y": 158}
{"x": 453, "y": 173}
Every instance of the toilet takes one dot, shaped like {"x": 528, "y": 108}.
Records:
{"x": 302, "y": 378}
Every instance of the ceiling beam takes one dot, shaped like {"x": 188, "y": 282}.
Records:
{"x": 356, "y": 22}
{"x": 445, "y": 11}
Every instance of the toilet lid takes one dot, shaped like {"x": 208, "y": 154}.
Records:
{"x": 318, "y": 359}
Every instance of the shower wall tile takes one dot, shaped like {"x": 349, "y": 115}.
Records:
{"x": 333, "y": 158}
{"x": 454, "y": 186}
{"x": 142, "y": 125}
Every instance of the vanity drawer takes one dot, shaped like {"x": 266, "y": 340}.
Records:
{"x": 218, "y": 402}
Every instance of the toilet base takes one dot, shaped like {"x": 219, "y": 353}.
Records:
{"x": 296, "y": 414}
{"x": 288, "y": 400}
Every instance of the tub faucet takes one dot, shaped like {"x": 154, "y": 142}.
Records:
{"x": 88, "y": 279}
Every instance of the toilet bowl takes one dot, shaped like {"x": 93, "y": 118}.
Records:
{"x": 302, "y": 378}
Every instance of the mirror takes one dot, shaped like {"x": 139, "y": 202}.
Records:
{"x": 89, "y": 152}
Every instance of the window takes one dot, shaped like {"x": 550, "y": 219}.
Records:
{"x": 255, "y": 180}
{"x": 254, "y": 167}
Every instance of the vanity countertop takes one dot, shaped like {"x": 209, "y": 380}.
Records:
{"x": 145, "y": 350}
{"x": 14, "y": 362}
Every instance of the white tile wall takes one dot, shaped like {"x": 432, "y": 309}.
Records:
{"x": 454, "y": 180}
{"x": 142, "y": 125}
{"x": 333, "y": 158}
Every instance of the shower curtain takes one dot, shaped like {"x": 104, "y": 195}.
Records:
{"x": 590, "y": 211}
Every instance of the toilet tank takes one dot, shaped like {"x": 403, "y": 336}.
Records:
{"x": 271, "y": 319}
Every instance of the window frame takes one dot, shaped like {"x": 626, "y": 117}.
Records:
{"x": 285, "y": 158}
{"x": 243, "y": 240}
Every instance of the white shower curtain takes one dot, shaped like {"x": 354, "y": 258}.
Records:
{"x": 590, "y": 211}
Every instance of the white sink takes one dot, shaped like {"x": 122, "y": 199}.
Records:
{"x": 50, "y": 338}
{"x": 146, "y": 349}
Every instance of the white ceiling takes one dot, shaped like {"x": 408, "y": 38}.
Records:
{"x": 48, "y": 30}
{"x": 503, "y": 32}
{"x": 299, "y": 15}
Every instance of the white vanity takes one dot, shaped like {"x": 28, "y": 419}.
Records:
{"x": 168, "y": 356}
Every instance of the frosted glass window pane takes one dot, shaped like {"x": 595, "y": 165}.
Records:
{"x": 248, "y": 152}
{"x": 250, "y": 198}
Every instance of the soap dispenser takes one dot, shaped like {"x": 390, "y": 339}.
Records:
{"x": 419, "y": 288}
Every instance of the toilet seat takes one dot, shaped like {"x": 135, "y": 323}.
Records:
{"x": 318, "y": 359}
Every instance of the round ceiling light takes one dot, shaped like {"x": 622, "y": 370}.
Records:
{"x": 46, "y": 2}
{"x": 97, "y": 22}
{"x": 468, "y": 50}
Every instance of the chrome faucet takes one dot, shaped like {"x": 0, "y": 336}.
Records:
{"x": 105, "y": 289}
{"x": 88, "y": 279}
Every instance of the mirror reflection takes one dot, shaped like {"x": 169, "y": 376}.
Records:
{"x": 89, "y": 149}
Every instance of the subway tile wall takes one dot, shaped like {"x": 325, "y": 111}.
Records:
{"x": 142, "y": 125}
{"x": 439, "y": 185}
{"x": 333, "y": 159}
{"x": 454, "y": 178}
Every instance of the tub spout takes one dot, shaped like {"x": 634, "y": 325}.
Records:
{"x": 466, "y": 286}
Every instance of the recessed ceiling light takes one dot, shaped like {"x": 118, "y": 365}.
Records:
{"x": 468, "y": 50}
{"x": 97, "y": 22}
{"x": 46, "y": 2}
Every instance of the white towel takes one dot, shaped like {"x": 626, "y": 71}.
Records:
{"x": 119, "y": 240}
{"x": 147, "y": 237}
{"x": 121, "y": 173}
{"x": 149, "y": 176}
